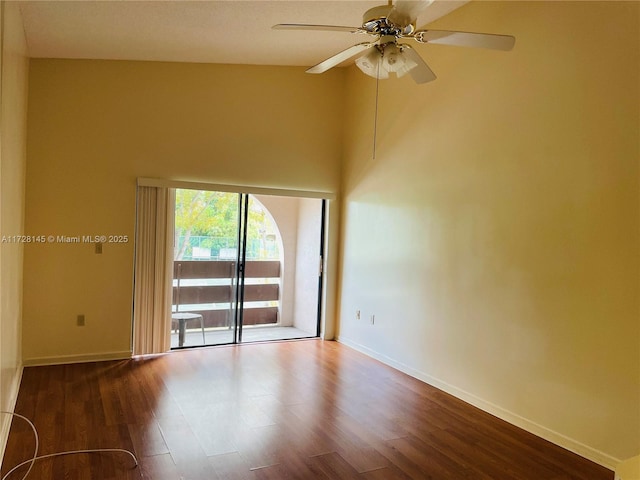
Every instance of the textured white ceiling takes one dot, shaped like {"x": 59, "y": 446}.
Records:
{"x": 231, "y": 31}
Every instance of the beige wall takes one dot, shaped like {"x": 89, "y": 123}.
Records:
{"x": 629, "y": 469}
{"x": 13, "y": 109}
{"x": 307, "y": 266}
{"x": 284, "y": 211}
{"x": 298, "y": 222}
{"x": 94, "y": 126}
{"x": 495, "y": 236}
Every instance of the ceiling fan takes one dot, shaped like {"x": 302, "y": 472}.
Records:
{"x": 383, "y": 54}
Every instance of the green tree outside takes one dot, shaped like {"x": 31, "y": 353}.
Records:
{"x": 212, "y": 219}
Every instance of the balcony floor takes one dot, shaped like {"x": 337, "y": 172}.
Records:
{"x": 193, "y": 336}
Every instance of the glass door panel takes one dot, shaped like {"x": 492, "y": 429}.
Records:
{"x": 282, "y": 268}
{"x": 205, "y": 268}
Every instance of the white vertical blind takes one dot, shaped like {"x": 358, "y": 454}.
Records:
{"x": 153, "y": 270}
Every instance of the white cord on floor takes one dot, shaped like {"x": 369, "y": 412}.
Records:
{"x": 37, "y": 442}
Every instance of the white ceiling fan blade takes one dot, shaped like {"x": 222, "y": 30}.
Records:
{"x": 328, "y": 28}
{"x": 466, "y": 39}
{"x": 338, "y": 58}
{"x": 405, "y": 12}
{"x": 421, "y": 73}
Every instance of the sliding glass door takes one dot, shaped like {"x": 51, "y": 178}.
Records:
{"x": 206, "y": 267}
{"x": 246, "y": 268}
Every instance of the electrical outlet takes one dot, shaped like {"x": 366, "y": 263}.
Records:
{"x": 80, "y": 320}
{"x": 357, "y": 314}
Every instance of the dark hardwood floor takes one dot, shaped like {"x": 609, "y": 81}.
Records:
{"x": 290, "y": 410}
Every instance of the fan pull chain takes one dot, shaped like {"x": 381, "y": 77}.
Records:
{"x": 375, "y": 119}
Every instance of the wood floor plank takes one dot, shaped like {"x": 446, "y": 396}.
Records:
{"x": 358, "y": 452}
{"x": 417, "y": 458}
{"x": 158, "y": 467}
{"x": 386, "y": 473}
{"x": 231, "y": 466}
{"x": 183, "y": 445}
{"x": 292, "y": 410}
{"x": 334, "y": 466}
{"x": 294, "y": 468}
{"x": 147, "y": 439}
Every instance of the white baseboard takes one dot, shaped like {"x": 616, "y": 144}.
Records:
{"x": 64, "y": 359}
{"x": 559, "y": 439}
{"x": 5, "y": 421}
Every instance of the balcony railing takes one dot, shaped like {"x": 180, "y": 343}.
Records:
{"x": 209, "y": 289}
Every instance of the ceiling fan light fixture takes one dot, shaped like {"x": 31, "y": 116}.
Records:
{"x": 380, "y": 61}
{"x": 371, "y": 64}
{"x": 394, "y": 60}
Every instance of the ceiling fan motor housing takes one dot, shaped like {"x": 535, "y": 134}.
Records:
{"x": 375, "y": 21}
